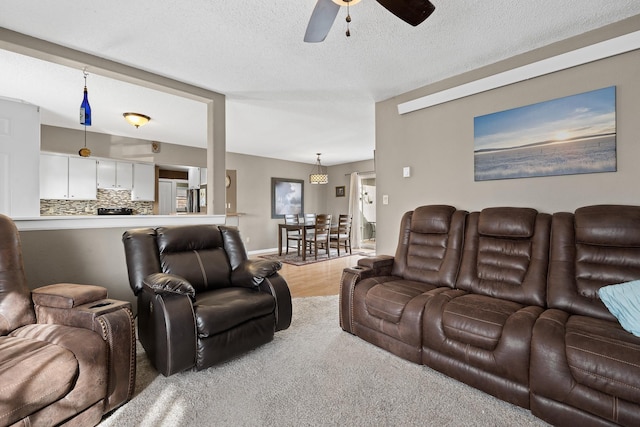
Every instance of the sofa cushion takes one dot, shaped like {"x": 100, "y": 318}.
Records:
{"x": 196, "y": 253}
{"x": 623, "y": 301}
{"x": 603, "y": 357}
{"x": 222, "y": 309}
{"x": 477, "y": 320}
{"x": 430, "y": 245}
{"x": 15, "y": 299}
{"x": 507, "y": 222}
{"x": 509, "y": 267}
{"x": 434, "y": 219}
{"x": 33, "y": 374}
{"x": 388, "y": 300}
{"x": 583, "y": 368}
{"x": 581, "y": 260}
{"x": 608, "y": 225}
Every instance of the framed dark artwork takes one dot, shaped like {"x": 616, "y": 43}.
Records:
{"x": 565, "y": 136}
{"x": 340, "y": 191}
{"x": 287, "y": 197}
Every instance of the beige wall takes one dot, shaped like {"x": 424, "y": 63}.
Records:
{"x": 437, "y": 143}
{"x": 86, "y": 256}
{"x": 69, "y": 141}
{"x": 340, "y": 175}
{"x": 254, "y": 193}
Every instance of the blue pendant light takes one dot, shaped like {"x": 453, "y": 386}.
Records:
{"x": 85, "y": 108}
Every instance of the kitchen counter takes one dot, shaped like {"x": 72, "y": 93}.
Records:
{"x": 112, "y": 221}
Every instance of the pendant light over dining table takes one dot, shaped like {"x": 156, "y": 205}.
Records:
{"x": 318, "y": 176}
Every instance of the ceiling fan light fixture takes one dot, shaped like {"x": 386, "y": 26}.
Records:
{"x": 346, "y": 2}
{"x": 136, "y": 119}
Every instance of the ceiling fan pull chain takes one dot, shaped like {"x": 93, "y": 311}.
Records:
{"x": 348, "y": 19}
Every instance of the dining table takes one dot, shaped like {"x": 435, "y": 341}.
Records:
{"x": 292, "y": 227}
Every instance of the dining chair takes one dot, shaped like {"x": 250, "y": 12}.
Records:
{"x": 293, "y": 235}
{"x": 309, "y": 219}
{"x": 341, "y": 235}
{"x": 320, "y": 237}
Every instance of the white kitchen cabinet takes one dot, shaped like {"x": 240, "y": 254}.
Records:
{"x": 82, "y": 178}
{"x": 114, "y": 175}
{"x": 54, "y": 176}
{"x": 67, "y": 178}
{"x": 144, "y": 182}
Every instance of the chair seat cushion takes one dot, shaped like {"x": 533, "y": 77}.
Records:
{"x": 33, "y": 374}
{"x": 222, "y": 309}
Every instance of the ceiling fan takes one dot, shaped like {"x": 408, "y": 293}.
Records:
{"x": 410, "y": 11}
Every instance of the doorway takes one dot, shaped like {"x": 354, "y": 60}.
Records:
{"x": 367, "y": 210}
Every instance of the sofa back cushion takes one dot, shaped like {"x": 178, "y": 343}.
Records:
{"x": 15, "y": 298}
{"x": 430, "y": 245}
{"x": 597, "y": 246}
{"x": 196, "y": 253}
{"x": 506, "y": 254}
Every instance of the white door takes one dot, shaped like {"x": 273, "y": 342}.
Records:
{"x": 166, "y": 197}
{"x": 19, "y": 159}
{"x": 143, "y": 182}
{"x": 368, "y": 211}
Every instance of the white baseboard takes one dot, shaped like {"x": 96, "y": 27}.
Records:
{"x": 262, "y": 251}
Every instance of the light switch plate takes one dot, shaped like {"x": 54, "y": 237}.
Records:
{"x": 406, "y": 172}
{"x": 385, "y": 199}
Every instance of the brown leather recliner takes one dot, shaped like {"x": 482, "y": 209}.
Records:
{"x": 67, "y": 352}
{"x": 200, "y": 299}
{"x": 585, "y": 369}
{"x": 480, "y": 333}
{"x": 383, "y": 298}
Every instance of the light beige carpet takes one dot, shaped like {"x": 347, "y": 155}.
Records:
{"x": 312, "y": 374}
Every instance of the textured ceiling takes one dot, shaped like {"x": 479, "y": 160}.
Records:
{"x": 285, "y": 98}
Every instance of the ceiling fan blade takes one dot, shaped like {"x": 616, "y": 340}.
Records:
{"x": 321, "y": 21}
{"x": 410, "y": 11}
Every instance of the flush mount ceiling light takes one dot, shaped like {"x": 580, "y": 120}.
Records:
{"x": 136, "y": 119}
{"x": 318, "y": 176}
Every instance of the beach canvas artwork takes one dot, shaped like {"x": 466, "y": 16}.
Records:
{"x": 565, "y": 136}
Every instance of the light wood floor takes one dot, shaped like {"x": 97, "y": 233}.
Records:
{"x": 317, "y": 279}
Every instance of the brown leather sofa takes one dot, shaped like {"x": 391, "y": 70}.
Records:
{"x": 67, "y": 352}
{"x": 201, "y": 301}
{"x": 512, "y": 308}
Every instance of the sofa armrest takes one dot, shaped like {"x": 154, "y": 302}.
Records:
{"x": 67, "y": 295}
{"x": 367, "y": 267}
{"x": 168, "y": 284}
{"x": 277, "y": 286}
{"x": 167, "y": 329}
{"x": 87, "y": 307}
{"x": 74, "y": 305}
{"x": 381, "y": 264}
{"x": 252, "y": 272}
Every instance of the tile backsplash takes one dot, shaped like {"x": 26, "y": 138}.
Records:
{"x": 105, "y": 199}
